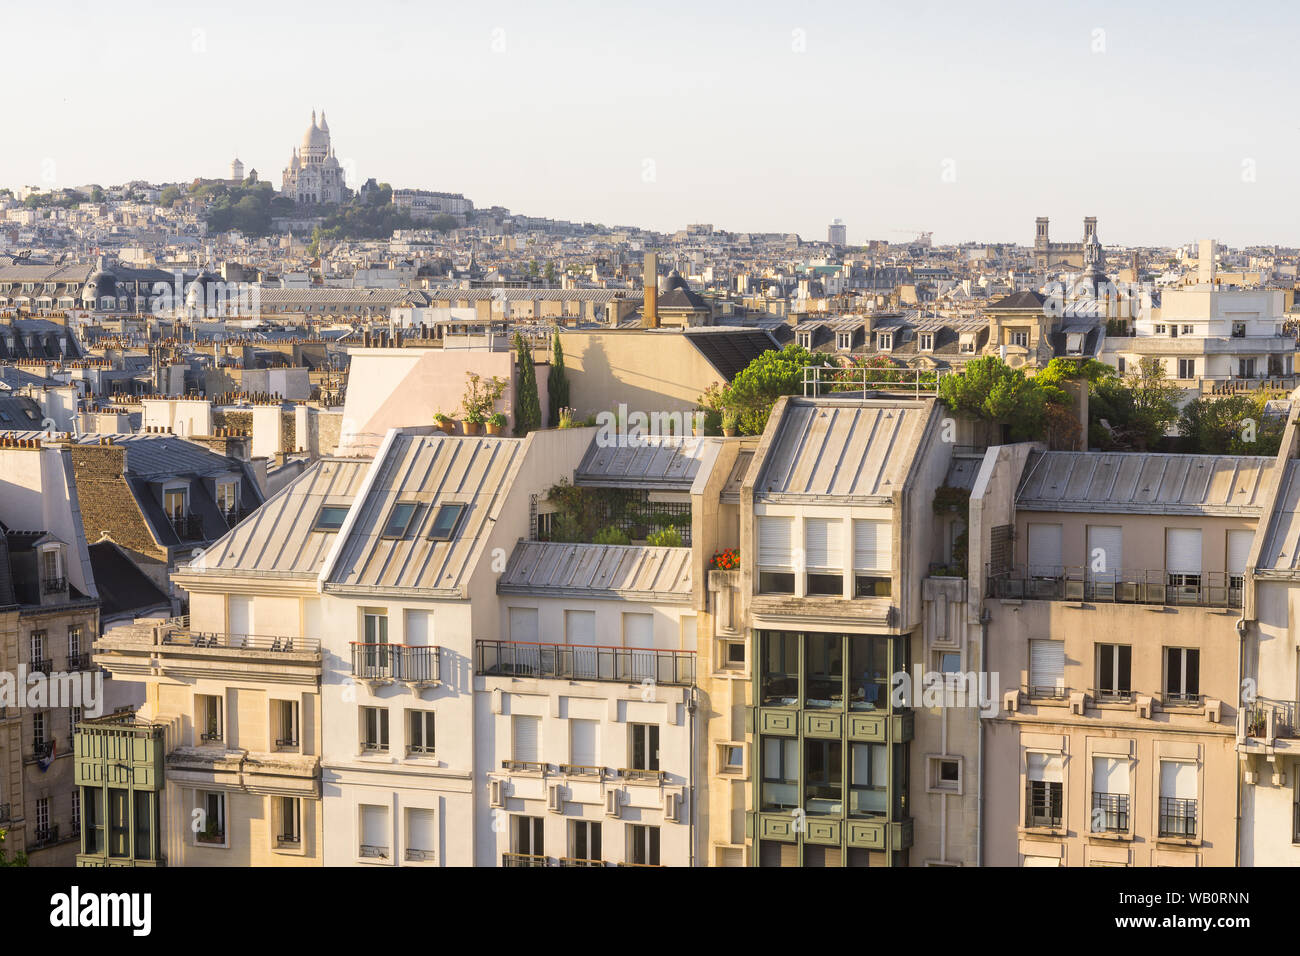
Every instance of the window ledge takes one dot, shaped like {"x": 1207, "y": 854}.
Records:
{"x": 1179, "y": 841}
{"x": 1112, "y": 836}
{"x": 1043, "y": 831}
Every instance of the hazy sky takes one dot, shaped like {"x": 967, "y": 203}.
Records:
{"x": 966, "y": 119}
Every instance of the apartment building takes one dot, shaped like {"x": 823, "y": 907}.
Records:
{"x": 1113, "y": 589}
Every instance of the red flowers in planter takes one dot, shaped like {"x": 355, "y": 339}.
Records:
{"x": 725, "y": 560}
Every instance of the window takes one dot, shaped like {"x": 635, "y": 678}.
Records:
{"x": 74, "y": 640}
{"x": 1110, "y": 796}
{"x": 285, "y": 717}
{"x": 375, "y": 832}
{"x": 1020, "y": 339}
{"x": 39, "y": 661}
{"x": 374, "y": 729}
{"x": 400, "y": 519}
{"x": 38, "y": 729}
{"x": 421, "y": 835}
{"x": 76, "y": 810}
{"x": 967, "y": 344}
{"x": 1044, "y": 790}
{"x": 174, "y": 502}
{"x": 733, "y": 655}
{"x": 1188, "y": 329}
{"x": 93, "y": 830}
{"x": 1186, "y": 368}
{"x": 1183, "y": 558}
{"x": 1047, "y": 668}
{"x": 584, "y": 743}
{"x": 823, "y": 553}
{"x": 844, "y": 341}
{"x": 780, "y": 773}
{"x": 528, "y": 835}
{"x": 1114, "y": 672}
{"x": 374, "y": 625}
{"x": 1182, "y": 675}
{"x": 1161, "y": 329}
{"x": 228, "y": 496}
{"x": 584, "y": 840}
{"x": 1105, "y": 558}
{"x": 780, "y": 669}
{"x": 1119, "y": 364}
{"x": 1246, "y": 368}
{"x": 869, "y": 672}
{"x": 824, "y": 687}
{"x": 947, "y": 662}
{"x": 885, "y": 341}
{"x": 644, "y": 749}
{"x": 212, "y": 820}
{"x": 1238, "y": 330}
{"x": 868, "y": 780}
{"x": 872, "y": 558}
{"x": 42, "y": 818}
{"x": 1177, "y": 799}
{"x": 643, "y": 844}
{"x": 775, "y": 555}
{"x": 421, "y": 740}
{"x": 523, "y": 624}
{"x": 1044, "y": 551}
{"x": 1239, "y": 543}
{"x": 289, "y": 831}
{"x": 823, "y": 776}
{"x": 805, "y": 339}
{"x": 330, "y": 518}
{"x": 580, "y": 627}
{"x": 926, "y": 341}
{"x": 445, "y": 522}
{"x": 524, "y": 733}
{"x": 731, "y": 758}
{"x": 207, "y": 714}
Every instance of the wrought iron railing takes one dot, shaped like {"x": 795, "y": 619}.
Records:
{"x": 44, "y": 836}
{"x": 1061, "y": 583}
{"x": 187, "y": 527}
{"x": 252, "y": 642}
{"x": 1269, "y": 718}
{"x": 41, "y": 665}
{"x": 1109, "y": 812}
{"x": 404, "y": 662}
{"x": 631, "y": 665}
{"x": 1177, "y": 817}
{"x": 54, "y": 585}
{"x": 579, "y": 861}
{"x": 371, "y": 852}
{"x": 523, "y": 859}
{"x": 78, "y": 662}
{"x": 1043, "y": 801}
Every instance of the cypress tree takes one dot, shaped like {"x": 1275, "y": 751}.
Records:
{"x": 557, "y": 383}
{"x": 528, "y": 410}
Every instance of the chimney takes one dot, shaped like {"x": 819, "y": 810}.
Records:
{"x": 650, "y": 284}
{"x": 1205, "y": 261}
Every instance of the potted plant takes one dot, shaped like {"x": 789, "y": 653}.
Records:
{"x": 472, "y": 423}
{"x": 725, "y": 560}
{"x": 445, "y": 422}
{"x": 496, "y": 423}
{"x": 480, "y": 400}
{"x": 730, "y": 422}
{"x": 1257, "y": 724}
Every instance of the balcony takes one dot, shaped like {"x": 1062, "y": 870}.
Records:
{"x": 182, "y": 637}
{"x": 1177, "y": 818}
{"x": 41, "y": 666}
{"x": 187, "y": 527}
{"x": 522, "y": 859}
{"x": 370, "y": 852}
{"x": 1109, "y": 812}
{"x": 577, "y": 861}
{"x": 54, "y": 585}
{"x": 1212, "y": 589}
{"x": 525, "y": 766}
{"x": 1043, "y": 804}
{"x": 636, "y": 775}
{"x": 42, "y": 749}
{"x": 78, "y": 662}
{"x": 1266, "y": 720}
{"x": 625, "y": 665}
{"x": 43, "y": 837}
{"x": 395, "y": 662}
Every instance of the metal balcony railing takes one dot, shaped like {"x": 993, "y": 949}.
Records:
{"x": 1043, "y": 800}
{"x": 1061, "y": 583}
{"x": 526, "y": 766}
{"x": 78, "y": 662}
{"x": 54, "y": 585}
{"x": 643, "y": 776}
{"x": 630, "y": 665}
{"x": 1267, "y": 718}
{"x": 1109, "y": 812}
{"x": 249, "y": 642}
{"x": 578, "y": 861}
{"x": 44, "y": 836}
{"x": 41, "y": 666}
{"x": 419, "y": 856}
{"x": 42, "y": 748}
{"x": 1177, "y": 817}
{"x": 187, "y": 527}
{"x": 403, "y": 662}
{"x": 522, "y": 859}
{"x": 374, "y": 852}
{"x": 837, "y": 380}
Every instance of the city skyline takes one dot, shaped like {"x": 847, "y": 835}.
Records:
{"x": 957, "y": 126}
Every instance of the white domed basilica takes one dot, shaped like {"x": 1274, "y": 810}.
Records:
{"x": 314, "y": 174}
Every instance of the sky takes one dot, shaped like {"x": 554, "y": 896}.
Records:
{"x": 1167, "y": 122}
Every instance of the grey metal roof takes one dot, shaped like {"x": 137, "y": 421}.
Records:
{"x": 1144, "y": 483}
{"x": 665, "y": 463}
{"x": 280, "y": 537}
{"x": 151, "y": 455}
{"x": 846, "y": 449}
{"x": 736, "y": 478}
{"x": 428, "y": 470}
{"x": 598, "y": 570}
{"x": 1281, "y": 549}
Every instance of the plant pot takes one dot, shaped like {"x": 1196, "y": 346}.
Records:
{"x": 729, "y": 432}
{"x": 492, "y": 428}
{"x": 448, "y": 428}
{"x": 471, "y": 428}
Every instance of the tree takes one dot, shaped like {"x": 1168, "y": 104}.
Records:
{"x": 528, "y": 409}
{"x": 1155, "y": 401}
{"x": 758, "y": 385}
{"x": 19, "y": 859}
{"x": 169, "y": 196}
{"x": 549, "y": 272}
{"x": 997, "y": 394}
{"x": 1231, "y": 425}
{"x": 557, "y": 383}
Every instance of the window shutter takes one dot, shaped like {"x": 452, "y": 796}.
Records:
{"x": 1044, "y": 549}
{"x": 241, "y": 615}
{"x": 638, "y": 630}
{"x": 1047, "y": 664}
{"x": 1042, "y": 861}
{"x": 523, "y": 624}
{"x": 774, "y": 547}
{"x": 374, "y": 826}
{"x": 524, "y": 731}
{"x": 1178, "y": 779}
{"x": 420, "y": 830}
{"x": 822, "y": 544}
{"x": 582, "y": 735}
{"x": 580, "y": 627}
{"x": 1183, "y": 551}
{"x": 1047, "y": 768}
{"x": 1110, "y": 775}
{"x": 1239, "y": 543}
{"x": 871, "y": 546}
{"x": 1109, "y": 541}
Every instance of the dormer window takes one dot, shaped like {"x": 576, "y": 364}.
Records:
{"x": 967, "y": 343}
{"x": 844, "y": 341}
{"x": 53, "y": 578}
{"x": 805, "y": 340}
{"x": 926, "y": 340}
{"x": 228, "y": 496}
{"x": 1020, "y": 339}
{"x": 885, "y": 341}
{"x": 1073, "y": 343}
{"x": 176, "y": 502}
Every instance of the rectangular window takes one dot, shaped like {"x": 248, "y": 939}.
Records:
{"x": 1114, "y": 672}
{"x": 228, "y": 496}
{"x": 584, "y": 840}
{"x": 780, "y": 669}
{"x": 528, "y": 835}
{"x": 775, "y": 547}
{"x": 285, "y": 715}
{"x": 926, "y": 341}
{"x": 119, "y": 823}
{"x": 422, "y": 739}
{"x": 38, "y": 651}
{"x": 643, "y": 844}
{"x": 1110, "y": 794}
{"x": 1183, "y": 557}
{"x": 523, "y": 624}
{"x": 76, "y": 810}
{"x": 644, "y": 748}
{"x": 207, "y": 713}
{"x": 213, "y": 818}
{"x": 844, "y": 341}
{"x": 330, "y": 518}
{"x": 885, "y": 341}
{"x": 421, "y": 835}
{"x": 375, "y": 832}
{"x": 580, "y": 627}
{"x": 524, "y": 734}
{"x": 1186, "y": 368}
{"x": 1182, "y": 675}
{"x": 1045, "y": 790}
{"x": 374, "y": 728}
{"x": 1178, "y": 799}
{"x": 445, "y": 522}
{"x": 823, "y": 776}
{"x": 74, "y": 642}
{"x": 584, "y": 743}
{"x": 1239, "y": 543}
{"x": 93, "y": 828}
{"x": 1047, "y": 668}
{"x": 780, "y": 773}
{"x": 290, "y": 829}
{"x": 824, "y": 659}
{"x": 1045, "y": 550}
{"x": 174, "y": 502}
{"x": 869, "y": 672}
{"x": 374, "y": 626}
{"x": 144, "y": 825}
{"x": 400, "y": 519}
{"x": 1020, "y": 339}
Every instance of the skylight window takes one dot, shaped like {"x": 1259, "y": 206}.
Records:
{"x": 399, "y": 520}
{"x": 330, "y": 518}
{"x": 445, "y": 522}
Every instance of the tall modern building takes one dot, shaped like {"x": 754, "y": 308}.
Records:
{"x": 837, "y": 234}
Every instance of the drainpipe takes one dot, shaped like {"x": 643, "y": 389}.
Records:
{"x": 1241, "y": 673}
{"x": 985, "y": 617}
{"x": 690, "y": 709}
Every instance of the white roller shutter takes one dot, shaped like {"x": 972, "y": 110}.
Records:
{"x": 374, "y": 825}
{"x": 1110, "y": 775}
{"x": 580, "y": 627}
{"x": 821, "y": 544}
{"x": 1047, "y": 664}
{"x": 419, "y": 628}
{"x": 1183, "y": 551}
{"x": 1048, "y": 768}
{"x": 1239, "y": 543}
{"x": 523, "y": 731}
{"x": 638, "y": 630}
{"x": 582, "y": 743}
{"x": 1043, "y": 861}
{"x": 421, "y": 834}
{"x": 523, "y": 624}
{"x": 1178, "y": 779}
{"x": 774, "y": 544}
{"x": 871, "y": 546}
{"x": 1105, "y": 552}
{"x": 240, "y": 615}
{"x": 1044, "y": 549}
